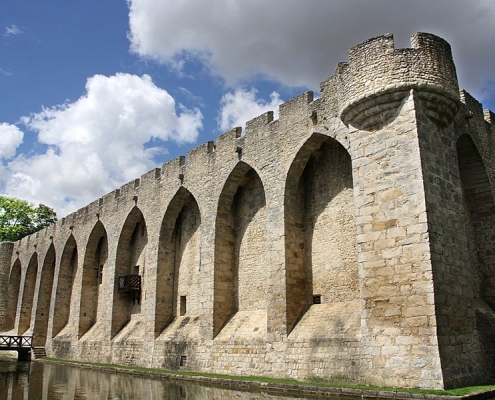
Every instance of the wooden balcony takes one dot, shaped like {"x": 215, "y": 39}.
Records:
{"x": 130, "y": 284}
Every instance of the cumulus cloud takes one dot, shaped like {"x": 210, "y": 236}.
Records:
{"x": 107, "y": 137}
{"x": 11, "y": 137}
{"x": 242, "y": 105}
{"x": 299, "y": 43}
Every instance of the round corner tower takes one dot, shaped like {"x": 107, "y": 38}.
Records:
{"x": 378, "y": 77}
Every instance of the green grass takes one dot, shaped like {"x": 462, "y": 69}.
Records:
{"x": 341, "y": 382}
{"x": 337, "y": 382}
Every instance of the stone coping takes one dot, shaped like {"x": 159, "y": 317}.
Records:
{"x": 280, "y": 388}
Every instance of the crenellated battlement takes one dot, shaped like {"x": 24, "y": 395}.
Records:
{"x": 377, "y": 78}
{"x": 258, "y": 122}
{"x": 365, "y": 92}
{"x": 296, "y": 106}
{"x": 490, "y": 118}
{"x": 171, "y": 169}
{"x": 228, "y": 138}
{"x": 475, "y": 108}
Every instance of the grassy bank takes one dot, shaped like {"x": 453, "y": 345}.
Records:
{"x": 285, "y": 384}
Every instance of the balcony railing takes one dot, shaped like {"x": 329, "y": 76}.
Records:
{"x": 130, "y": 284}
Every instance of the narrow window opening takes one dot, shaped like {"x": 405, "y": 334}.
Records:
{"x": 183, "y": 360}
{"x": 316, "y": 299}
{"x": 183, "y": 306}
{"x": 73, "y": 258}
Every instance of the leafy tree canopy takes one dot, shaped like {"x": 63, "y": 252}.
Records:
{"x": 18, "y": 218}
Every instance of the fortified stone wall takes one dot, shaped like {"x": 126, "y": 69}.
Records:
{"x": 351, "y": 239}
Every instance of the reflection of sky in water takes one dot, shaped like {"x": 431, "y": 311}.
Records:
{"x": 40, "y": 381}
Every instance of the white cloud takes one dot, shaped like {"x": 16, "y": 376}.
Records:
{"x": 299, "y": 43}
{"x": 11, "y": 137}
{"x": 242, "y": 105}
{"x": 99, "y": 142}
{"x": 13, "y": 30}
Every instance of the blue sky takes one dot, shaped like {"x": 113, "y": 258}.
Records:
{"x": 95, "y": 93}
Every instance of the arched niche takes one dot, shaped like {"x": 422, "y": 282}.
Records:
{"x": 94, "y": 266}
{"x": 63, "y": 294}
{"x": 130, "y": 267}
{"x": 28, "y": 294}
{"x": 479, "y": 207}
{"x": 12, "y": 296}
{"x": 44, "y": 298}
{"x": 240, "y": 276}
{"x": 320, "y": 246}
{"x": 178, "y": 284}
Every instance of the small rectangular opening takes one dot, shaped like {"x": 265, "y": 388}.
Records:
{"x": 316, "y": 299}
{"x": 183, "y": 306}
{"x": 183, "y": 360}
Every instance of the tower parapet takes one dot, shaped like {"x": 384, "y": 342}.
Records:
{"x": 378, "y": 77}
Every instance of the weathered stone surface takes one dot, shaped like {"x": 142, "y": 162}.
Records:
{"x": 352, "y": 239}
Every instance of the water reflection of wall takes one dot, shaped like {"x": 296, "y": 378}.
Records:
{"x": 40, "y": 381}
{"x": 16, "y": 382}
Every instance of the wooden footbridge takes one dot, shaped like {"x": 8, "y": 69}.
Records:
{"x": 22, "y": 344}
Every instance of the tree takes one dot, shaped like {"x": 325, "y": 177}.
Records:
{"x": 18, "y": 218}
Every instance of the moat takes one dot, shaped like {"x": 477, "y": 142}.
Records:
{"x": 46, "y": 381}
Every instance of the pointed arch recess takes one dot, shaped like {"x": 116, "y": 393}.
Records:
{"x": 320, "y": 247}
{"x": 130, "y": 260}
{"x": 240, "y": 277}
{"x": 44, "y": 298}
{"x": 28, "y": 294}
{"x": 63, "y": 294}
{"x": 94, "y": 266}
{"x": 178, "y": 272}
{"x": 12, "y": 296}
{"x": 479, "y": 207}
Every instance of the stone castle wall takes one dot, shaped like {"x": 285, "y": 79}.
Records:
{"x": 350, "y": 239}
